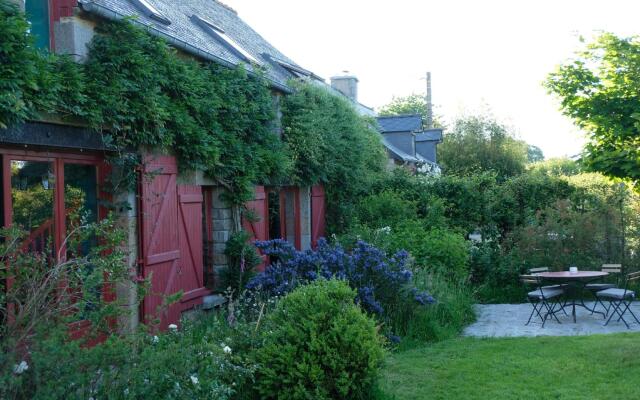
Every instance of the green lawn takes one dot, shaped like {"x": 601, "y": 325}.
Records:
{"x": 585, "y": 367}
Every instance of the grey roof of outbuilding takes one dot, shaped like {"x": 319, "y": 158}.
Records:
{"x": 400, "y": 123}
{"x": 429, "y": 135}
{"x": 197, "y": 41}
{"x": 397, "y": 153}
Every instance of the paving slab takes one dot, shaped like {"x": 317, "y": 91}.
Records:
{"x": 508, "y": 320}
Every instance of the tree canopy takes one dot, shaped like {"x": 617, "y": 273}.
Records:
{"x": 480, "y": 143}
{"x": 600, "y": 90}
{"x": 412, "y": 104}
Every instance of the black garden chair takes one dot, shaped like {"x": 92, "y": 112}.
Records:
{"x": 620, "y": 299}
{"x": 614, "y": 271}
{"x": 543, "y": 299}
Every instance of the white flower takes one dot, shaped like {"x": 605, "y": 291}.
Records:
{"x": 20, "y": 368}
{"x": 155, "y": 339}
{"x": 227, "y": 349}
{"x": 173, "y": 327}
{"x": 194, "y": 379}
{"x": 126, "y": 391}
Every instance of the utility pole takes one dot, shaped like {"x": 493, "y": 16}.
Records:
{"x": 429, "y": 119}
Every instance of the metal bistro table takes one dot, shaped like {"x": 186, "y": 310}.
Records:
{"x": 577, "y": 281}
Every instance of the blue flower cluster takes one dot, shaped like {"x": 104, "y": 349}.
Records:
{"x": 381, "y": 281}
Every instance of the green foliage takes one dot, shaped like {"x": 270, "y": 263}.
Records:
{"x": 331, "y": 144}
{"x": 556, "y": 167}
{"x": 242, "y": 260}
{"x": 215, "y": 119}
{"x": 447, "y": 317}
{"x": 480, "y": 143}
{"x": 206, "y": 359}
{"x": 599, "y": 90}
{"x": 19, "y": 67}
{"x": 319, "y": 345}
{"x": 384, "y": 209}
{"x": 412, "y": 104}
{"x": 437, "y": 250}
{"x": 138, "y": 92}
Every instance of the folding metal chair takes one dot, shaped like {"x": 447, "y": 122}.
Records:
{"x": 620, "y": 299}
{"x": 612, "y": 269}
{"x": 542, "y": 299}
{"x": 538, "y": 270}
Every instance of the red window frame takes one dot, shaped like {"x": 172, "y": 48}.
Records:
{"x": 58, "y": 161}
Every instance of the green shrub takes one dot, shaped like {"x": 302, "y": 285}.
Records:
{"x": 243, "y": 259}
{"x": 438, "y": 250}
{"x": 204, "y": 359}
{"x": 319, "y": 345}
{"x": 384, "y": 209}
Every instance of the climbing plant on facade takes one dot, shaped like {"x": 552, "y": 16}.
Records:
{"x": 331, "y": 144}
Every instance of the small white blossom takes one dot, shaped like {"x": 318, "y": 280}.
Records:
{"x": 194, "y": 379}
{"x": 227, "y": 349}
{"x": 173, "y": 327}
{"x": 155, "y": 339}
{"x": 20, "y": 368}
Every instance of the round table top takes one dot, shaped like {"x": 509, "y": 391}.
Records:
{"x": 566, "y": 275}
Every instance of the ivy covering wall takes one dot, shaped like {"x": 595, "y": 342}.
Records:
{"x": 136, "y": 90}
{"x": 331, "y": 144}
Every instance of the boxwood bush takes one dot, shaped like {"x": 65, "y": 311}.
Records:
{"x": 319, "y": 345}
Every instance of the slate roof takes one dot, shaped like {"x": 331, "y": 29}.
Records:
{"x": 186, "y": 34}
{"x": 397, "y": 153}
{"x": 400, "y": 123}
{"x": 430, "y": 135}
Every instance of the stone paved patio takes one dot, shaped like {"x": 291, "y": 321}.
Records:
{"x": 507, "y": 320}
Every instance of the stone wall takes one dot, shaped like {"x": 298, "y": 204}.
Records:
{"x": 223, "y": 226}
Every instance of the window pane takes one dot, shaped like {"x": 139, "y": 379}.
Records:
{"x": 80, "y": 198}
{"x": 38, "y": 15}
{"x": 32, "y": 187}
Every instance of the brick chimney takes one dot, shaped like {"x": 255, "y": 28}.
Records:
{"x": 346, "y": 84}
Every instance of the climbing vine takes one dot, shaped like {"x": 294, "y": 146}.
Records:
{"x": 331, "y": 144}
{"x": 137, "y": 91}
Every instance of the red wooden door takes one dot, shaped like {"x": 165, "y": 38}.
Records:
{"x": 317, "y": 214}
{"x": 258, "y": 225}
{"x": 159, "y": 238}
{"x": 191, "y": 266}
{"x": 172, "y": 256}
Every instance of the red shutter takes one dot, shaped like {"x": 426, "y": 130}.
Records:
{"x": 259, "y": 227}
{"x": 159, "y": 237}
{"x": 317, "y": 214}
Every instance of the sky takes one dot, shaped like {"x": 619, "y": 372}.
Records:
{"x": 484, "y": 56}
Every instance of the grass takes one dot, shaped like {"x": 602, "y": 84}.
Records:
{"x": 579, "y": 367}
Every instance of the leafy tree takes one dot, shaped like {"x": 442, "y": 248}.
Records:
{"x": 480, "y": 143}
{"x": 412, "y": 104}
{"x": 600, "y": 90}
{"x": 534, "y": 153}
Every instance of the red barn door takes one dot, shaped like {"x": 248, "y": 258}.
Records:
{"x": 191, "y": 265}
{"x": 159, "y": 237}
{"x": 258, "y": 225}
{"x": 171, "y": 241}
{"x": 317, "y": 214}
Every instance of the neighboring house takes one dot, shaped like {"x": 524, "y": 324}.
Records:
{"x": 407, "y": 142}
{"x": 178, "y": 223}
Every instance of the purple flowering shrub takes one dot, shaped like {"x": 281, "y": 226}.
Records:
{"x": 382, "y": 282}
